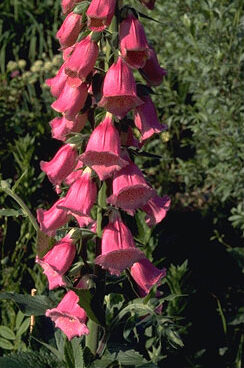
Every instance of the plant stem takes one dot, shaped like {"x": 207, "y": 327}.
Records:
{"x": 6, "y": 189}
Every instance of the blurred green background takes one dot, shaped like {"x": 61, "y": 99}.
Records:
{"x": 201, "y": 44}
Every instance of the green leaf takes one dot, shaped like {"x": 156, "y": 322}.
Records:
{"x": 77, "y": 352}
{"x": 7, "y": 333}
{"x": 19, "y": 319}
{"x": 11, "y": 212}
{"x": 93, "y": 309}
{"x": 23, "y": 327}
{"x": 29, "y": 305}
{"x": 133, "y": 358}
{"x": 44, "y": 243}
{"x": 81, "y": 7}
{"x": 29, "y": 360}
{"x": 5, "y": 344}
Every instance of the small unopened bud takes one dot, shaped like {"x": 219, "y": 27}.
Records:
{"x": 186, "y": 20}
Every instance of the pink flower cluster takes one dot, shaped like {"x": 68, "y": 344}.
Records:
{"x": 106, "y": 156}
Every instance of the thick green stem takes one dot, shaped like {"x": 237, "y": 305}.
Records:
{"x": 92, "y": 340}
{"x": 6, "y": 189}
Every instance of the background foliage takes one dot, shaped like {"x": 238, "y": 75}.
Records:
{"x": 200, "y": 43}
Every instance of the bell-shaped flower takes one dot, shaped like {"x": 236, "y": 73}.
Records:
{"x": 57, "y": 83}
{"x": 103, "y": 149}
{"x": 156, "y": 209}
{"x": 67, "y": 52}
{"x": 83, "y": 220}
{"x": 82, "y": 60}
{"x": 119, "y": 90}
{"x": 81, "y": 195}
{"x": 118, "y": 248}
{"x": 146, "y": 275}
{"x": 69, "y": 316}
{"x": 100, "y": 14}
{"x": 52, "y": 219}
{"x": 71, "y": 100}
{"x": 69, "y": 30}
{"x": 146, "y": 119}
{"x": 130, "y": 189}
{"x": 68, "y": 5}
{"x": 148, "y": 3}
{"x": 133, "y": 42}
{"x": 152, "y": 71}
{"x": 57, "y": 261}
{"x": 61, "y": 126}
{"x": 75, "y": 174}
{"x": 61, "y": 165}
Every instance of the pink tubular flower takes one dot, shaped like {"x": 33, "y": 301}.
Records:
{"x": 69, "y": 30}
{"x": 133, "y": 43}
{"x": 156, "y": 209}
{"x": 74, "y": 175}
{"x": 146, "y": 119}
{"x": 130, "y": 189}
{"x": 68, "y": 5}
{"x": 57, "y": 261}
{"x": 61, "y": 165}
{"x": 81, "y": 195}
{"x": 118, "y": 248}
{"x": 57, "y": 83}
{"x": 69, "y": 316}
{"x": 71, "y": 100}
{"x": 83, "y": 58}
{"x": 103, "y": 149}
{"x": 119, "y": 90}
{"x": 84, "y": 220}
{"x": 100, "y": 14}
{"x": 61, "y": 126}
{"x": 148, "y": 3}
{"x": 152, "y": 71}
{"x": 50, "y": 220}
{"x": 146, "y": 275}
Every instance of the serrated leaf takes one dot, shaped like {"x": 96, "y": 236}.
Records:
{"x": 133, "y": 358}
{"x": 6, "y": 344}
{"x": 29, "y": 305}
{"x": 7, "y": 333}
{"x": 77, "y": 352}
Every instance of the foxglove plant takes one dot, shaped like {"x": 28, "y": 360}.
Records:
{"x": 99, "y": 184}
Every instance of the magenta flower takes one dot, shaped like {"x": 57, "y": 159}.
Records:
{"x": 146, "y": 119}
{"x": 146, "y": 275}
{"x": 152, "y": 71}
{"x": 100, "y": 14}
{"x": 50, "y": 220}
{"x": 82, "y": 60}
{"x": 61, "y": 165}
{"x": 75, "y": 174}
{"x": 156, "y": 209}
{"x": 57, "y": 83}
{"x": 130, "y": 189}
{"x": 71, "y": 100}
{"x": 57, "y": 261}
{"x": 81, "y": 195}
{"x": 133, "y": 42}
{"x": 61, "y": 126}
{"x": 119, "y": 90}
{"x": 69, "y": 30}
{"x": 103, "y": 149}
{"x": 69, "y": 316}
{"x": 118, "y": 248}
{"x": 68, "y": 5}
{"x": 83, "y": 220}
